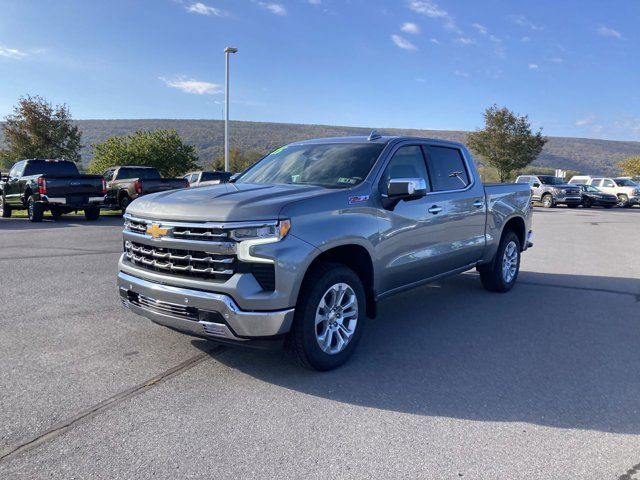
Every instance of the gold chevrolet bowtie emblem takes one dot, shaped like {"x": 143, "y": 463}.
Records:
{"x": 156, "y": 231}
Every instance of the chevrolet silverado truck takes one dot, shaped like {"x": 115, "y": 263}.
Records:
{"x": 552, "y": 191}
{"x": 54, "y": 185}
{"x": 126, "y": 183}
{"x": 302, "y": 245}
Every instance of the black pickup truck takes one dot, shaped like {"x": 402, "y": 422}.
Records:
{"x": 126, "y": 183}
{"x": 54, "y": 185}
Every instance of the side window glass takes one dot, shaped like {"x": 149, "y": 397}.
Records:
{"x": 407, "y": 162}
{"x": 446, "y": 168}
{"x": 107, "y": 175}
{"x": 607, "y": 183}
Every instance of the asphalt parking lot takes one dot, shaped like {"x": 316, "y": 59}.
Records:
{"x": 450, "y": 381}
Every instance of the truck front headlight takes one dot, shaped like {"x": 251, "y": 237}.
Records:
{"x": 251, "y": 236}
{"x": 276, "y": 232}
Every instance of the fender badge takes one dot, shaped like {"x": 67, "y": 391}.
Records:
{"x": 358, "y": 199}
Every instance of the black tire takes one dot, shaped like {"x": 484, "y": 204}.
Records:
{"x": 587, "y": 203}
{"x": 92, "y": 213}
{"x": 5, "y": 210}
{"x": 56, "y": 212}
{"x": 547, "y": 201}
{"x": 623, "y": 201}
{"x": 125, "y": 200}
{"x": 491, "y": 274}
{"x": 35, "y": 211}
{"x": 303, "y": 341}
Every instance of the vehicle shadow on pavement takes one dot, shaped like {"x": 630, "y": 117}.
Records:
{"x": 22, "y": 223}
{"x": 558, "y": 350}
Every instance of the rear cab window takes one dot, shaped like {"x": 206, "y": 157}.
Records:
{"x": 141, "y": 173}
{"x": 447, "y": 169}
{"x": 50, "y": 168}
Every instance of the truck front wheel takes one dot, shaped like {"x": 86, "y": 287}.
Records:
{"x": 547, "y": 201}
{"x": 35, "y": 210}
{"x": 329, "y": 317}
{"x": 501, "y": 274}
{"x": 92, "y": 213}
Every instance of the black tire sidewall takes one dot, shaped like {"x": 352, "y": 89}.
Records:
{"x": 304, "y": 326}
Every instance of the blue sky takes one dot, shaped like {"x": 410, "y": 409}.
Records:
{"x": 572, "y": 66}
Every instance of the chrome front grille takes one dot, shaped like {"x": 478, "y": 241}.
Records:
{"x": 166, "y": 308}
{"x": 135, "y": 226}
{"x": 197, "y": 233}
{"x": 181, "y": 262}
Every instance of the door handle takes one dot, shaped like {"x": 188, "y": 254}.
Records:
{"x": 478, "y": 203}
{"x": 435, "y": 209}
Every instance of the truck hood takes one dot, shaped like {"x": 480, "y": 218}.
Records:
{"x": 227, "y": 202}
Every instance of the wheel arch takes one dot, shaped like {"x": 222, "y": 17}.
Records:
{"x": 516, "y": 225}
{"x": 356, "y": 257}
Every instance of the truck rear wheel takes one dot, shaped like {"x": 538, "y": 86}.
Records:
{"x": 92, "y": 213}
{"x": 5, "y": 210}
{"x": 35, "y": 210}
{"x": 329, "y": 317}
{"x": 124, "y": 202}
{"x": 501, "y": 274}
{"x": 56, "y": 212}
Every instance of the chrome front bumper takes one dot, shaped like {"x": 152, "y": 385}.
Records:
{"x": 200, "y": 313}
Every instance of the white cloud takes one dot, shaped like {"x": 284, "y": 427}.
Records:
{"x": 436, "y": 41}
{"x": 196, "y": 87}
{"x": 556, "y": 60}
{"x": 481, "y": 30}
{"x": 315, "y": 2}
{"x": 11, "y": 53}
{"x": 403, "y": 43}
{"x": 409, "y": 27}
{"x": 466, "y": 41}
{"x": 462, "y": 74}
{"x": 428, "y": 8}
{"x": 433, "y": 10}
{"x": 588, "y": 120}
{"x": 525, "y": 39}
{"x": 608, "y": 32}
{"x": 525, "y": 22}
{"x": 202, "y": 9}
{"x": 533, "y": 66}
{"x": 275, "y": 8}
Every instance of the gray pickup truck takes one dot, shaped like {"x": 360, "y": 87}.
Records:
{"x": 302, "y": 245}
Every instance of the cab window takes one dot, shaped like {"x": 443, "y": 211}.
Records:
{"x": 446, "y": 168}
{"x": 407, "y": 162}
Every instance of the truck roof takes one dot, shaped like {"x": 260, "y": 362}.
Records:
{"x": 384, "y": 139}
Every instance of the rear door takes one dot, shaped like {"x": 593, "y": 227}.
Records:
{"x": 464, "y": 210}
{"x": 12, "y": 186}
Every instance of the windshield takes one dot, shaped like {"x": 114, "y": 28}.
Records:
{"x": 334, "y": 165}
{"x": 50, "y": 168}
{"x": 141, "y": 173}
{"x": 624, "y": 182}
{"x": 551, "y": 180}
{"x": 589, "y": 188}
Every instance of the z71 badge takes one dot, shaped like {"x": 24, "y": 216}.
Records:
{"x": 358, "y": 199}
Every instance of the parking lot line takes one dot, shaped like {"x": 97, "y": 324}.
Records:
{"x": 109, "y": 403}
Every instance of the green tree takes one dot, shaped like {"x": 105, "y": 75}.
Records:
{"x": 159, "y": 148}
{"x": 506, "y": 143}
{"x": 37, "y": 129}
{"x": 238, "y": 161}
{"x": 630, "y": 166}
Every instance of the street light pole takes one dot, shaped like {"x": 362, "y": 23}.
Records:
{"x": 227, "y": 51}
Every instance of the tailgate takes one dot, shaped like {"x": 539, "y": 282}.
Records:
{"x": 152, "y": 186}
{"x": 70, "y": 186}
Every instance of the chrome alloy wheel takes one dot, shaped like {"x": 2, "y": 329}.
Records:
{"x": 510, "y": 262}
{"x": 336, "y": 318}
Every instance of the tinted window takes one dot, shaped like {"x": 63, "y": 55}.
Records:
{"x": 446, "y": 168}
{"x": 331, "y": 165}
{"x": 407, "y": 162}
{"x": 551, "y": 180}
{"x": 141, "y": 173}
{"x": 209, "y": 176}
{"x": 50, "y": 168}
{"x": 624, "y": 182}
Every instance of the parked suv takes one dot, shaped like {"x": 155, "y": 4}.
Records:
{"x": 552, "y": 191}
{"x": 627, "y": 191}
{"x": 303, "y": 244}
{"x": 205, "y": 178}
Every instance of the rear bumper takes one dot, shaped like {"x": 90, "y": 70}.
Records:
{"x": 88, "y": 201}
{"x": 201, "y": 313}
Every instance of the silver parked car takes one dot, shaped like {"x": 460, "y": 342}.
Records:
{"x": 552, "y": 191}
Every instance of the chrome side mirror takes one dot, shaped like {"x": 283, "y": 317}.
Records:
{"x": 406, "y": 188}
